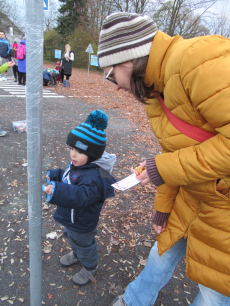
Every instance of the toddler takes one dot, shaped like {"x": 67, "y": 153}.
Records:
{"x": 80, "y": 191}
{"x": 58, "y": 68}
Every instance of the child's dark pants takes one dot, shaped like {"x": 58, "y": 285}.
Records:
{"x": 84, "y": 245}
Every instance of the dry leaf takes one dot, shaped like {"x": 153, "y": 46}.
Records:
{"x": 81, "y": 293}
{"x": 143, "y": 262}
{"x": 4, "y": 298}
{"x": 148, "y": 244}
{"x": 115, "y": 241}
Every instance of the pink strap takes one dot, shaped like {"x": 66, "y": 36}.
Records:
{"x": 187, "y": 129}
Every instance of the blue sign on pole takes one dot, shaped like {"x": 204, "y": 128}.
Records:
{"x": 45, "y": 5}
{"x": 57, "y": 53}
{"x": 94, "y": 60}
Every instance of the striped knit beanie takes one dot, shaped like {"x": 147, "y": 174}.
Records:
{"x": 124, "y": 37}
{"x": 89, "y": 137}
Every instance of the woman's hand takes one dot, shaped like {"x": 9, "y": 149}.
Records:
{"x": 49, "y": 189}
{"x": 159, "y": 229}
{"x": 143, "y": 177}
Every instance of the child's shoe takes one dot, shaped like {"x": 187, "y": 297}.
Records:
{"x": 119, "y": 301}
{"x": 84, "y": 276}
{"x": 68, "y": 259}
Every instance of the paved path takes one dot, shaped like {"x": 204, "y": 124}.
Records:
{"x": 125, "y": 232}
{"x": 11, "y": 89}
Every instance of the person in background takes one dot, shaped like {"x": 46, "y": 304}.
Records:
{"x": 80, "y": 192}
{"x": 13, "y": 56}
{"x": 4, "y": 52}
{"x": 22, "y": 64}
{"x": 66, "y": 63}
{"x": 58, "y": 68}
{"x": 186, "y": 79}
{"x": 53, "y": 73}
{"x": 3, "y": 68}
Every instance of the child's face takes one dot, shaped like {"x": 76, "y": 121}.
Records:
{"x": 78, "y": 159}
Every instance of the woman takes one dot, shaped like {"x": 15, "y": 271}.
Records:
{"x": 193, "y": 177}
{"x": 13, "y": 57}
{"x": 22, "y": 62}
{"x": 66, "y": 63}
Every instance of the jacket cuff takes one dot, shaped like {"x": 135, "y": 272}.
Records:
{"x": 49, "y": 197}
{"x": 159, "y": 218}
{"x": 153, "y": 173}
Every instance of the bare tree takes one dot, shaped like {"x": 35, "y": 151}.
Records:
{"x": 183, "y": 17}
{"x": 51, "y": 15}
{"x": 140, "y": 6}
{"x": 220, "y": 22}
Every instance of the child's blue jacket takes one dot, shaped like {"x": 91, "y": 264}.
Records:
{"x": 80, "y": 192}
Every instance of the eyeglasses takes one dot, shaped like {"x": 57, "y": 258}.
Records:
{"x": 108, "y": 74}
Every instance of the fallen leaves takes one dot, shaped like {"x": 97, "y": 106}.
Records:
{"x": 115, "y": 290}
{"x": 50, "y": 296}
{"x": 47, "y": 247}
{"x": 143, "y": 262}
{"x": 81, "y": 293}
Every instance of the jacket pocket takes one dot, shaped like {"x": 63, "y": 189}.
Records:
{"x": 223, "y": 187}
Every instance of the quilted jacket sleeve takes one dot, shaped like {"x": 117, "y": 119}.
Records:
{"x": 207, "y": 84}
{"x": 165, "y": 198}
{"x": 85, "y": 193}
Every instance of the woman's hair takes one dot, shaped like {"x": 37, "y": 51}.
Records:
{"x": 67, "y": 49}
{"x": 140, "y": 90}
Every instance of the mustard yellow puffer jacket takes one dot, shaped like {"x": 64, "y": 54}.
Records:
{"x": 194, "y": 77}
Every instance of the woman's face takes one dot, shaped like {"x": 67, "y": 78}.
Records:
{"x": 121, "y": 73}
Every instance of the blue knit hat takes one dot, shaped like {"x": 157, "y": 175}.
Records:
{"x": 89, "y": 137}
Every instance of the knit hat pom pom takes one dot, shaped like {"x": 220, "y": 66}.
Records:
{"x": 98, "y": 119}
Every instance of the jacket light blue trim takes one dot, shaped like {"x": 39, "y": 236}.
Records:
{"x": 49, "y": 197}
{"x": 83, "y": 136}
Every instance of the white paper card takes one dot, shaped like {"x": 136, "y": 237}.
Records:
{"x": 127, "y": 182}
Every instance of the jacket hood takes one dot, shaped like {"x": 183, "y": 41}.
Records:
{"x": 23, "y": 42}
{"x": 106, "y": 162}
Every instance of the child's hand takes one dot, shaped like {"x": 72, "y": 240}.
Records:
{"x": 47, "y": 177}
{"x": 49, "y": 189}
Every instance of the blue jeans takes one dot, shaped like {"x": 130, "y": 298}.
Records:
{"x": 143, "y": 291}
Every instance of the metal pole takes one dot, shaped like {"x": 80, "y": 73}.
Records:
{"x": 89, "y": 64}
{"x": 34, "y": 75}
{"x": 11, "y": 48}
